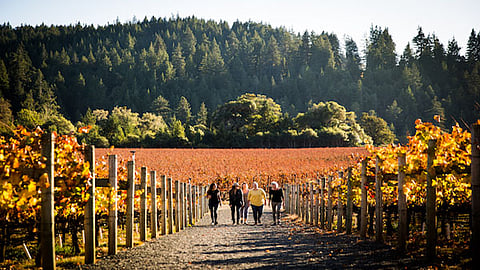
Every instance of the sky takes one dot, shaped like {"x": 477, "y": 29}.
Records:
{"x": 446, "y": 19}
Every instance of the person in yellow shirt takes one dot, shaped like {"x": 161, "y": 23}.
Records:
{"x": 257, "y": 197}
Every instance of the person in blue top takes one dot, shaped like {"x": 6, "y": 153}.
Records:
{"x": 213, "y": 195}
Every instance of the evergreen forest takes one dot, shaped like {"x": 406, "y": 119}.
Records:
{"x": 190, "y": 82}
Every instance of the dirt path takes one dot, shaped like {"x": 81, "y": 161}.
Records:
{"x": 227, "y": 246}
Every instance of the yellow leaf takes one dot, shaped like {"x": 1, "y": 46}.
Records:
{"x": 32, "y": 187}
{"x": 33, "y": 201}
{"x": 16, "y": 164}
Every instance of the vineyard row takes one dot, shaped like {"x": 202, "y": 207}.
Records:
{"x": 182, "y": 205}
{"x": 353, "y": 198}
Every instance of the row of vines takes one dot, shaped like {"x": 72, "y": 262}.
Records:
{"x": 448, "y": 169}
{"x": 23, "y": 176}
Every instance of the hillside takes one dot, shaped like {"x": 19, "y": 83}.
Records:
{"x": 51, "y": 72}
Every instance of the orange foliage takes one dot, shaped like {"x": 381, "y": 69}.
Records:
{"x": 225, "y": 166}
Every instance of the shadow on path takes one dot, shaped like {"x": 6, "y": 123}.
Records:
{"x": 227, "y": 246}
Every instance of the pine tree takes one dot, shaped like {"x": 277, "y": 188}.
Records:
{"x": 178, "y": 61}
{"x": 202, "y": 115}
{"x": 215, "y": 59}
{"x": 189, "y": 42}
{"x": 352, "y": 58}
{"x": 4, "y": 81}
{"x": 473, "y": 47}
{"x": 161, "y": 106}
{"x": 380, "y": 50}
{"x": 183, "y": 111}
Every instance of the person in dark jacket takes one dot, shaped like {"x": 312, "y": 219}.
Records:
{"x": 276, "y": 200}
{"x": 213, "y": 195}
{"x": 236, "y": 201}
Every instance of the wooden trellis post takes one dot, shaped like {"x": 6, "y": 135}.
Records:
{"x": 329, "y": 203}
{"x": 297, "y": 201}
{"x": 153, "y": 206}
{"x": 163, "y": 197}
{"x": 202, "y": 207}
{"x": 340, "y": 205}
{"x": 475, "y": 169}
{"x": 402, "y": 204}
{"x": 47, "y": 221}
{"x": 293, "y": 200}
{"x": 183, "y": 202}
{"x": 170, "y": 205}
{"x": 363, "y": 207}
{"x": 322, "y": 203}
{"x": 184, "y": 205}
{"x": 143, "y": 204}
{"x": 195, "y": 205}
{"x": 378, "y": 202}
{"x": 349, "y": 216}
{"x": 130, "y": 203}
{"x": 317, "y": 203}
{"x": 304, "y": 203}
{"x": 287, "y": 198}
{"x": 190, "y": 204}
{"x": 89, "y": 222}
{"x": 112, "y": 215}
{"x": 431, "y": 201}
{"x": 311, "y": 204}
{"x": 178, "y": 216}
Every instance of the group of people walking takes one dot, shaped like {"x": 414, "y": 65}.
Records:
{"x": 241, "y": 198}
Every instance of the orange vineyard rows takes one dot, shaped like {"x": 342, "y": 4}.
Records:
{"x": 224, "y": 166}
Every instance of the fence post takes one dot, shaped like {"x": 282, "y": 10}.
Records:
{"x": 329, "y": 203}
{"x": 143, "y": 205}
{"x": 202, "y": 207}
{"x": 287, "y": 198}
{"x": 89, "y": 222}
{"x": 130, "y": 203}
{"x": 195, "y": 208}
{"x": 185, "y": 203}
{"x": 205, "y": 200}
{"x": 170, "y": 205}
{"x": 297, "y": 201}
{"x": 112, "y": 215}
{"x": 322, "y": 203}
{"x": 475, "y": 181}
{"x": 363, "y": 204}
{"x": 163, "y": 197}
{"x": 402, "y": 204}
{"x": 431, "y": 198}
{"x": 349, "y": 216}
{"x": 178, "y": 212}
{"x": 340, "y": 205}
{"x": 291, "y": 208}
{"x": 306, "y": 198}
{"x": 194, "y": 198}
{"x": 317, "y": 193}
{"x": 294, "y": 199}
{"x": 190, "y": 214}
{"x": 153, "y": 208}
{"x": 184, "y": 222}
{"x": 378, "y": 202}
{"x": 311, "y": 204}
{"x": 47, "y": 220}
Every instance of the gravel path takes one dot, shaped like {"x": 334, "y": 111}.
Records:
{"x": 227, "y": 246}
